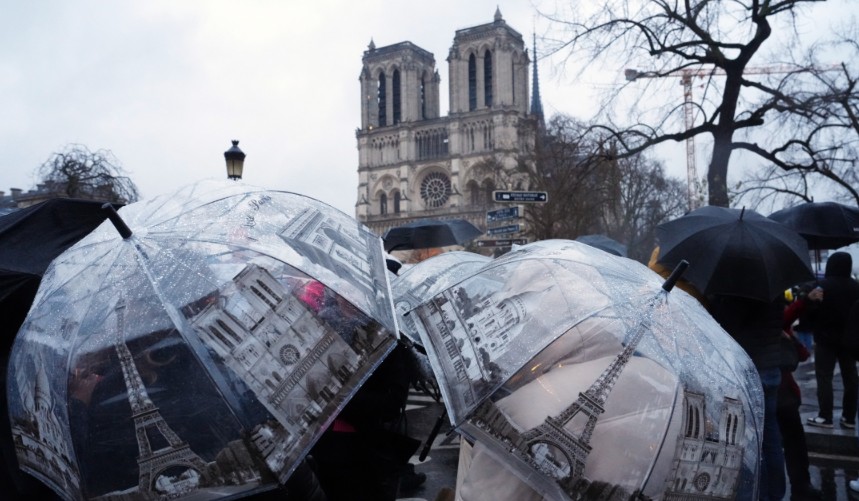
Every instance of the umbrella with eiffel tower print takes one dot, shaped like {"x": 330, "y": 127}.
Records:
{"x": 576, "y": 374}
{"x": 197, "y": 347}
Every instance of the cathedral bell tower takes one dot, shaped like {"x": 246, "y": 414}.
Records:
{"x": 414, "y": 163}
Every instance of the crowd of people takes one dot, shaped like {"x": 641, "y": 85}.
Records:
{"x": 365, "y": 453}
{"x": 821, "y": 321}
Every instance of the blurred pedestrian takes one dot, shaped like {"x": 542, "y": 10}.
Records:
{"x": 789, "y": 419}
{"x": 852, "y": 345}
{"x": 832, "y": 299}
{"x": 802, "y": 329}
{"x": 757, "y": 327}
{"x": 364, "y": 455}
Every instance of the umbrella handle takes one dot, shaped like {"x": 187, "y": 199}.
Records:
{"x": 432, "y": 435}
{"x": 675, "y": 275}
{"x": 117, "y": 221}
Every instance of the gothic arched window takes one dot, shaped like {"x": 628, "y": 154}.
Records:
{"x": 380, "y": 98}
{"x": 473, "y": 190}
{"x": 472, "y": 83}
{"x": 423, "y": 93}
{"x": 396, "y": 97}
{"x": 396, "y": 202}
{"x": 487, "y": 79}
{"x": 513, "y": 79}
{"x": 488, "y": 188}
{"x": 383, "y": 204}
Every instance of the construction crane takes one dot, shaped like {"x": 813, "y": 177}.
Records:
{"x": 685, "y": 76}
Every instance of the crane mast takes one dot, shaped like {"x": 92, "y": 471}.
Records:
{"x": 686, "y": 76}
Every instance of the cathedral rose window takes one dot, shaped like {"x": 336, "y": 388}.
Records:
{"x": 435, "y": 189}
{"x": 289, "y": 354}
{"x": 702, "y": 481}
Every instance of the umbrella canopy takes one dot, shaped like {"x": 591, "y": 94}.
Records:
{"x": 426, "y": 279}
{"x": 735, "y": 252}
{"x": 605, "y": 243}
{"x": 202, "y": 349}
{"x": 824, "y": 225}
{"x": 428, "y": 233}
{"x": 30, "y": 238}
{"x": 577, "y": 371}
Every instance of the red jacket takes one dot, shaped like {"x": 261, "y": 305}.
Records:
{"x": 791, "y": 313}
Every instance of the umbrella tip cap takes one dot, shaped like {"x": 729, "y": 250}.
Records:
{"x": 117, "y": 221}
{"x": 675, "y": 275}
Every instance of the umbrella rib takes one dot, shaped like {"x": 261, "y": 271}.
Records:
{"x": 179, "y": 322}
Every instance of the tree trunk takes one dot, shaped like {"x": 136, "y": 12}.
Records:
{"x": 717, "y": 175}
{"x": 723, "y": 136}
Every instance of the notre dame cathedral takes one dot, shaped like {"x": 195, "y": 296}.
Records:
{"x": 414, "y": 163}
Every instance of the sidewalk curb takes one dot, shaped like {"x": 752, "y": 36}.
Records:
{"x": 832, "y": 443}
{"x": 833, "y": 460}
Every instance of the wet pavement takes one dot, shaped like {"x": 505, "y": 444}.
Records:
{"x": 441, "y": 462}
{"x": 834, "y": 453}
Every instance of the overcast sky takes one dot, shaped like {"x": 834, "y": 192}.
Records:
{"x": 166, "y": 84}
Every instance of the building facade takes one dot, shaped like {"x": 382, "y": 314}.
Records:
{"x": 414, "y": 163}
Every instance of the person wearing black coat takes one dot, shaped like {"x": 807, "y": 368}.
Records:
{"x": 828, "y": 319}
{"x": 757, "y": 327}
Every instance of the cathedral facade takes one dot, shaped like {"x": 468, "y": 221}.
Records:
{"x": 414, "y": 163}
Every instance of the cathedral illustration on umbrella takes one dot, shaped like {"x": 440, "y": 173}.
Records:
{"x": 294, "y": 364}
{"x": 704, "y": 467}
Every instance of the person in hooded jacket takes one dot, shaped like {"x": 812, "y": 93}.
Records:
{"x": 828, "y": 319}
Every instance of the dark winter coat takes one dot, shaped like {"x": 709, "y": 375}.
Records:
{"x": 755, "y": 325}
{"x": 840, "y": 291}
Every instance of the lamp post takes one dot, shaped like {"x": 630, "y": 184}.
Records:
{"x": 235, "y": 161}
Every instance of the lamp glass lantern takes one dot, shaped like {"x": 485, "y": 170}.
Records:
{"x": 235, "y": 158}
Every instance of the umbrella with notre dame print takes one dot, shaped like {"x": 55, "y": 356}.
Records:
{"x": 198, "y": 346}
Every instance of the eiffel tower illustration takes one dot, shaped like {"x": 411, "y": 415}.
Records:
{"x": 591, "y": 404}
{"x": 148, "y": 422}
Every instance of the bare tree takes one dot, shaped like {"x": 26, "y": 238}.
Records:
{"x": 819, "y": 107}
{"x": 644, "y": 198}
{"x": 77, "y": 172}
{"x": 715, "y": 39}
{"x": 592, "y": 192}
{"x": 772, "y": 188}
{"x": 566, "y": 168}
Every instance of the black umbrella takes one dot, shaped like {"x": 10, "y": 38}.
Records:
{"x": 604, "y": 243}
{"x": 429, "y": 233}
{"x": 824, "y": 225}
{"x": 30, "y": 239}
{"x": 735, "y": 252}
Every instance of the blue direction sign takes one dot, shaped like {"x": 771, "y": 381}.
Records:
{"x": 534, "y": 197}
{"x": 500, "y": 230}
{"x": 502, "y": 214}
{"x": 506, "y": 242}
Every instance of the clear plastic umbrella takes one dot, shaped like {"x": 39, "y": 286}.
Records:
{"x": 200, "y": 350}
{"x": 426, "y": 279}
{"x": 585, "y": 379}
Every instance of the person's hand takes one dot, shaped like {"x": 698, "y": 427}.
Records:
{"x": 816, "y": 294}
{"x": 82, "y": 383}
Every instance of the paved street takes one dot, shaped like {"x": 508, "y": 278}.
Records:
{"x": 441, "y": 462}
{"x": 834, "y": 453}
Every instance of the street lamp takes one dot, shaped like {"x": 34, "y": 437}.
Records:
{"x": 235, "y": 161}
